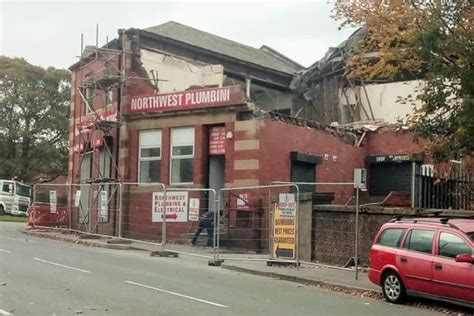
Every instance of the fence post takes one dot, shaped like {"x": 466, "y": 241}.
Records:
{"x": 119, "y": 231}
{"x": 163, "y": 227}
{"x": 356, "y": 259}
{"x": 216, "y": 224}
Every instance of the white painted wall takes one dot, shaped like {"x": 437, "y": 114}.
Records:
{"x": 383, "y": 99}
{"x": 180, "y": 73}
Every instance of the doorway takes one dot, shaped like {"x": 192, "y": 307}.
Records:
{"x": 216, "y": 174}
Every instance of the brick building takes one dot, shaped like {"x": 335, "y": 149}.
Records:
{"x": 188, "y": 109}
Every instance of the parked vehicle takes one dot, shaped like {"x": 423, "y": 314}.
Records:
{"x": 14, "y": 197}
{"x": 430, "y": 257}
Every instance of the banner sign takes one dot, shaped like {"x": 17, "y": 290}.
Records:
{"x": 243, "y": 201}
{"x": 186, "y": 99}
{"x": 83, "y": 130}
{"x": 77, "y": 198}
{"x": 103, "y": 206}
{"x": 287, "y": 205}
{"x": 217, "y": 140}
{"x": 53, "y": 201}
{"x": 194, "y": 210}
{"x": 284, "y": 236}
{"x": 176, "y": 207}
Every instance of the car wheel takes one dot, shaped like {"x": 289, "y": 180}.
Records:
{"x": 393, "y": 288}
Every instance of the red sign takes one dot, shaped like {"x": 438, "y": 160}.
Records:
{"x": 84, "y": 130}
{"x": 217, "y": 140}
{"x": 186, "y": 99}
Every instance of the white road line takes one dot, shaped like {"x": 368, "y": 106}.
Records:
{"x": 177, "y": 294}
{"x": 61, "y": 265}
{"x": 6, "y": 251}
{"x": 4, "y": 312}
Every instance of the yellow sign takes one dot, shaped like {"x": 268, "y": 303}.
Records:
{"x": 284, "y": 236}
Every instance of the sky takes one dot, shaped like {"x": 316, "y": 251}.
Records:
{"x": 49, "y": 33}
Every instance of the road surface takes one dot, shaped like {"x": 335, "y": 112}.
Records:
{"x": 47, "y": 277}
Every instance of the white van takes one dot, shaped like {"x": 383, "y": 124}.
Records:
{"x": 14, "y": 197}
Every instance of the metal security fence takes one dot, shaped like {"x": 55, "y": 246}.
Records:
{"x": 451, "y": 191}
{"x": 184, "y": 229}
{"x": 329, "y": 228}
{"x": 49, "y": 206}
{"x": 141, "y": 208}
{"x": 247, "y": 230}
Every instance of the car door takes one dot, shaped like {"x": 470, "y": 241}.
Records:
{"x": 453, "y": 279}
{"x": 415, "y": 259}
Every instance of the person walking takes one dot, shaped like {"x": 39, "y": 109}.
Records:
{"x": 206, "y": 221}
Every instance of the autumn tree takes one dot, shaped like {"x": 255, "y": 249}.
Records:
{"x": 34, "y": 106}
{"x": 432, "y": 40}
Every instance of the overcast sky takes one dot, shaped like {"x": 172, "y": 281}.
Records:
{"x": 48, "y": 33}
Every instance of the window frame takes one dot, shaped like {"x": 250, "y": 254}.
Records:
{"x": 153, "y": 158}
{"x": 400, "y": 240}
{"x": 438, "y": 240}
{"x": 408, "y": 234}
{"x": 180, "y": 157}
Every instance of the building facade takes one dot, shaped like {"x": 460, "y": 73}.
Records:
{"x": 174, "y": 105}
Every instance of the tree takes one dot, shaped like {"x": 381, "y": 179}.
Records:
{"x": 34, "y": 105}
{"x": 430, "y": 39}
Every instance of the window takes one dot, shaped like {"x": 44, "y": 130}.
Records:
{"x": 109, "y": 94}
{"x": 149, "y": 156}
{"x": 420, "y": 240}
{"x": 392, "y": 237}
{"x": 89, "y": 95}
{"x": 451, "y": 245}
{"x": 471, "y": 235}
{"x": 182, "y": 155}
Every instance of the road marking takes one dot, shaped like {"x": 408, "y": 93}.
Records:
{"x": 6, "y": 251}
{"x": 61, "y": 265}
{"x": 4, "y": 312}
{"x": 176, "y": 294}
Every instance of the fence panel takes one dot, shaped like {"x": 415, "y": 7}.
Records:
{"x": 140, "y": 218}
{"x": 49, "y": 206}
{"x": 453, "y": 191}
{"x": 328, "y": 229}
{"x": 104, "y": 208}
{"x": 247, "y": 230}
{"x": 185, "y": 233}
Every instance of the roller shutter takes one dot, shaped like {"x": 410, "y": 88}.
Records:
{"x": 387, "y": 177}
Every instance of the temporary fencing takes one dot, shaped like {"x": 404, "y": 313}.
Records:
{"x": 329, "y": 224}
{"x": 182, "y": 220}
{"x": 142, "y": 211}
{"x": 288, "y": 222}
{"x": 249, "y": 229}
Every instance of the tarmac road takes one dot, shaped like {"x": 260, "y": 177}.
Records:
{"x": 46, "y": 277}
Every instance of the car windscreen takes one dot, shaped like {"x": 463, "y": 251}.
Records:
{"x": 22, "y": 190}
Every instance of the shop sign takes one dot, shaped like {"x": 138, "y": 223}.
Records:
{"x": 389, "y": 158}
{"x": 176, "y": 206}
{"x": 217, "y": 140}
{"x": 186, "y": 99}
{"x": 284, "y": 236}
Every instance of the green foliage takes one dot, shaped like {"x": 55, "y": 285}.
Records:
{"x": 434, "y": 39}
{"x": 34, "y": 104}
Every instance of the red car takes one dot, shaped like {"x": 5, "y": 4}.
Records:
{"x": 430, "y": 257}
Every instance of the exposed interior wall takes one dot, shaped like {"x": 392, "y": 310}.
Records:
{"x": 271, "y": 99}
{"x": 179, "y": 74}
{"x": 383, "y": 100}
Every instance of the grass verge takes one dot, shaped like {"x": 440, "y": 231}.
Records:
{"x": 13, "y": 218}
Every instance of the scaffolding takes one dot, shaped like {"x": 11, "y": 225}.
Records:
{"x": 97, "y": 121}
